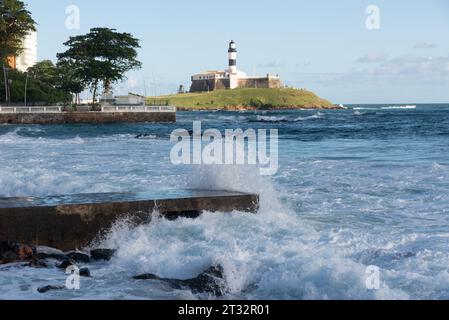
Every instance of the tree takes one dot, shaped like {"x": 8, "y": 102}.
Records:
{"x": 44, "y": 71}
{"x": 68, "y": 81}
{"x": 38, "y": 92}
{"x": 15, "y": 24}
{"x": 102, "y": 56}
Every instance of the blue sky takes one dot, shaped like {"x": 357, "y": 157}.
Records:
{"x": 321, "y": 45}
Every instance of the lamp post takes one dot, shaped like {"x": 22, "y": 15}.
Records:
{"x": 26, "y": 87}
{"x": 9, "y": 91}
{"x": 6, "y": 84}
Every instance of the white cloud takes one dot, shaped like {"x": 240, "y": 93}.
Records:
{"x": 270, "y": 65}
{"x": 402, "y": 71}
{"x": 304, "y": 64}
{"x": 425, "y": 45}
{"x": 373, "y": 57}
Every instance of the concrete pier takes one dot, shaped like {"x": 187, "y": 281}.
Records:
{"x": 86, "y": 117}
{"x": 70, "y": 222}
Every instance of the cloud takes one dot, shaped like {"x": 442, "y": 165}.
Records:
{"x": 425, "y": 45}
{"x": 270, "y": 65}
{"x": 304, "y": 64}
{"x": 416, "y": 66}
{"x": 401, "y": 71}
{"x": 374, "y": 57}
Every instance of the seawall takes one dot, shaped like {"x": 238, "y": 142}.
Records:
{"x": 70, "y": 222}
{"x": 86, "y": 117}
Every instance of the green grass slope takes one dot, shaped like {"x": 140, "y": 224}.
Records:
{"x": 244, "y": 99}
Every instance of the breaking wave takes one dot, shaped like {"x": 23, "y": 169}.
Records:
{"x": 399, "y": 107}
{"x": 276, "y": 119}
{"x": 271, "y": 255}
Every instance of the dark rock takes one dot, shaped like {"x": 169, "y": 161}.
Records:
{"x": 210, "y": 281}
{"x": 65, "y": 264}
{"x": 78, "y": 256}
{"x": 85, "y": 272}
{"x": 15, "y": 252}
{"x": 102, "y": 254}
{"x": 144, "y": 135}
{"x": 44, "y": 256}
{"x": 147, "y": 276}
{"x": 49, "y": 288}
{"x": 50, "y": 253}
{"x": 36, "y": 263}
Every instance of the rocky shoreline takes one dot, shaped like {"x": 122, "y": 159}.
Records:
{"x": 211, "y": 281}
{"x": 249, "y": 108}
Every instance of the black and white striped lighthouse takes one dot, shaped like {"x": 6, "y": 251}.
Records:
{"x": 232, "y": 57}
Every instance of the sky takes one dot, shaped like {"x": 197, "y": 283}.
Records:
{"x": 344, "y": 51}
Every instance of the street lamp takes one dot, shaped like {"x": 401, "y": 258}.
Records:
{"x": 9, "y": 91}
{"x": 26, "y": 87}
{"x": 5, "y": 74}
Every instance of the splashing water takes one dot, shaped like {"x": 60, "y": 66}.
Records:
{"x": 352, "y": 191}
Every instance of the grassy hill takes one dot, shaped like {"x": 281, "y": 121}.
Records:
{"x": 244, "y": 99}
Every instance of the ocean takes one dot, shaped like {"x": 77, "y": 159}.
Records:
{"x": 366, "y": 186}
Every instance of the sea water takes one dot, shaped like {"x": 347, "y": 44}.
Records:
{"x": 366, "y": 186}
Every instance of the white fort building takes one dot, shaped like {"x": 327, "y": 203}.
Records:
{"x": 231, "y": 78}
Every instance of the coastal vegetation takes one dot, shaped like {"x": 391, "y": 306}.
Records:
{"x": 16, "y": 23}
{"x": 92, "y": 61}
{"x": 37, "y": 91}
{"x": 100, "y": 57}
{"x": 244, "y": 99}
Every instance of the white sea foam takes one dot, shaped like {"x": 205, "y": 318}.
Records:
{"x": 273, "y": 254}
{"x": 288, "y": 119}
{"x": 399, "y": 107}
{"x": 321, "y": 222}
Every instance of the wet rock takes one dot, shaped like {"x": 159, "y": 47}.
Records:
{"x": 65, "y": 264}
{"x": 210, "y": 281}
{"x": 102, "y": 254}
{"x": 50, "y": 253}
{"x": 144, "y": 135}
{"x": 148, "y": 276}
{"x": 15, "y": 252}
{"x": 36, "y": 263}
{"x": 49, "y": 288}
{"x": 85, "y": 272}
{"x": 78, "y": 256}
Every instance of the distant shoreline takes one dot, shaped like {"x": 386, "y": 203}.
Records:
{"x": 245, "y": 99}
{"x": 246, "y": 108}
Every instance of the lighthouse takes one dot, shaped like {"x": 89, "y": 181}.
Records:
{"x": 232, "y": 58}
{"x": 231, "y": 77}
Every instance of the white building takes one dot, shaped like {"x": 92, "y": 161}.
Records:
{"x": 231, "y": 78}
{"x": 28, "y": 57}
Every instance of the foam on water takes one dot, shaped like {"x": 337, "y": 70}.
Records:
{"x": 269, "y": 255}
{"x": 275, "y": 119}
{"x": 351, "y": 192}
{"x": 399, "y": 107}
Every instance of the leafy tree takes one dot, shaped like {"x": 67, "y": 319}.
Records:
{"x": 38, "y": 92}
{"x": 15, "y": 24}
{"x": 102, "y": 56}
{"x": 44, "y": 71}
{"x": 68, "y": 81}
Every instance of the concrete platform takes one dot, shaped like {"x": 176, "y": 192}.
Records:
{"x": 86, "y": 117}
{"x": 70, "y": 222}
